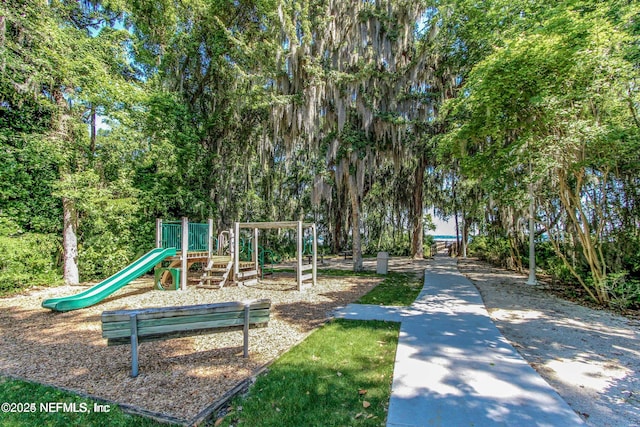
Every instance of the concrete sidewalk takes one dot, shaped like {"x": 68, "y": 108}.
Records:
{"x": 454, "y": 368}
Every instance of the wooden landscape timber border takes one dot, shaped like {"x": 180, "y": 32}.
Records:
{"x": 160, "y": 323}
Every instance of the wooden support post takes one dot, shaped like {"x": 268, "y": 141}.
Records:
{"x": 245, "y": 345}
{"x": 314, "y": 271}
{"x": 133, "y": 323}
{"x": 299, "y": 256}
{"x": 254, "y": 257}
{"x": 210, "y": 234}
{"x": 236, "y": 251}
{"x": 185, "y": 250}
{"x": 158, "y": 232}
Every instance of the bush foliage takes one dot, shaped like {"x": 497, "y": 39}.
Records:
{"x": 26, "y": 259}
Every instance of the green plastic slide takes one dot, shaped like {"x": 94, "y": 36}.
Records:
{"x": 105, "y": 288}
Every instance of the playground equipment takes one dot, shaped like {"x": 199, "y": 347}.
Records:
{"x": 198, "y": 248}
{"x": 217, "y": 261}
{"x": 225, "y": 264}
{"x": 180, "y": 245}
{"x": 105, "y": 288}
{"x": 267, "y": 259}
{"x": 302, "y": 271}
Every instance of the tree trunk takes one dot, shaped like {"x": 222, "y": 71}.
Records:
{"x": 93, "y": 131}
{"x": 336, "y": 235}
{"x": 465, "y": 235}
{"x": 570, "y": 197}
{"x": 355, "y": 225}
{"x": 3, "y": 30}
{"x": 70, "y": 242}
{"x": 61, "y": 127}
{"x": 417, "y": 211}
{"x": 457, "y": 246}
{"x": 455, "y": 215}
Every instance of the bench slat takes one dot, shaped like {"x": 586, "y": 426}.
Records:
{"x": 117, "y": 325}
{"x": 110, "y": 325}
{"x": 183, "y": 327}
{"x": 173, "y": 335}
{"x": 160, "y": 323}
{"x": 187, "y": 310}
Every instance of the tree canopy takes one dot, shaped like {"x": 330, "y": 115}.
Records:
{"x": 369, "y": 117}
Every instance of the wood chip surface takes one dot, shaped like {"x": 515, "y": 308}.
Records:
{"x": 178, "y": 377}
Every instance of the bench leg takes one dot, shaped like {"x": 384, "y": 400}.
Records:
{"x": 245, "y": 351}
{"x": 134, "y": 345}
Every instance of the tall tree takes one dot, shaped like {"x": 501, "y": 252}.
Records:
{"x": 557, "y": 98}
{"x": 352, "y": 73}
{"x": 64, "y": 58}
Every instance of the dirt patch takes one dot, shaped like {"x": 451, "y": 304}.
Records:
{"x": 179, "y": 377}
{"x": 590, "y": 356}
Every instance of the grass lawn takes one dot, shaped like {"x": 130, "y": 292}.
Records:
{"x": 335, "y": 272}
{"x": 399, "y": 289}
{"x": 339, "y": 376}
{"x": 26, "y": 404}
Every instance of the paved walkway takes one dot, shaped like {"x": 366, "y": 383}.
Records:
{"x": 454, "y": 368}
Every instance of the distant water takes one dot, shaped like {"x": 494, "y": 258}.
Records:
{"x": 445, "y": 237}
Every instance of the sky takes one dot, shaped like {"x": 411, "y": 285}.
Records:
{"x": 444, "y": 227}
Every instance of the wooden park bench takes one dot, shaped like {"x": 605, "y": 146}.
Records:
{"x": 152, "y": 324}
{"x": 347, "y": 253}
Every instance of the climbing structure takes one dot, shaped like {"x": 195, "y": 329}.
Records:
{"x": 222, "y": 263}
{"x": 304, "y": 273}
{"x": 220, "y": 268}
{"x": 197, "y": 248}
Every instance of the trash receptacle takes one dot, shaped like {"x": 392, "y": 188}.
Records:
{"x": 382, "y": 263}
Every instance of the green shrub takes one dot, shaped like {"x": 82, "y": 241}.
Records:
{"x": 112, "y": 236}
{"x": 277, "y": 248}
{"x": 548, "y": 261}
{"x": 624, "y": 292}
{"x": 400, "y": 246}
{"x": 103, "y": 259}
{"x": 26, "y": 259}
{"x": 491, "y": 249}
{"x": 429, "y": 240}
{"x": 623, "y": 252}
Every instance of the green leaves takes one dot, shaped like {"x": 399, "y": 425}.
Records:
{"x": 254, "y": 109}
{"x": 552, "y": 106}
{"x": 26, "y": 259}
